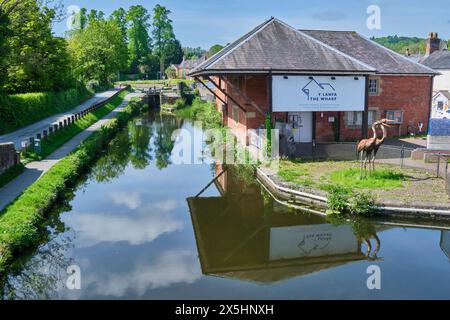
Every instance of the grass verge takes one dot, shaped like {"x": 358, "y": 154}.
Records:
{"x": 21, "y": 221}
{"x": 59, "y": 138}
{"x": 11, "y": 173}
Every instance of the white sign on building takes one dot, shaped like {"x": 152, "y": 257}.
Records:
{"x": 318, "y": 93}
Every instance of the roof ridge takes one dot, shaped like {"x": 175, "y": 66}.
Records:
{"x": 235, "y": 44}
{"x": 365, "y": 65}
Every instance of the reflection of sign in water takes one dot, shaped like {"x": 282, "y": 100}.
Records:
{"x": 311, "y": 241}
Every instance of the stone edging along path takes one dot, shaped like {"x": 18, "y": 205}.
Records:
{"x": 290, "y": 196}
{"x": 34, "y": 170}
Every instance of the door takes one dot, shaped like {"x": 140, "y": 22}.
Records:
{"x": 301, "y": 126}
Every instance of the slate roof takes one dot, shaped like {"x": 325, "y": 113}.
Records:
{"x": 275, "y": 46}
{"x": 381, "y": 58}
{"x": 437, "y": 60}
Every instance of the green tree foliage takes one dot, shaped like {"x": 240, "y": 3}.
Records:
{"x": 166, "y": 46}
{"x": 32, "y": 58}
{"x": 98, "y": 51}
{"x": 399, "y": 44}
{"x": 214, "y": 49}
{"x": 139, "y": 41}
{"x": 193, "y": 53}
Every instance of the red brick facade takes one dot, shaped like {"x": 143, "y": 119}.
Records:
{"x": 410, "y": 94}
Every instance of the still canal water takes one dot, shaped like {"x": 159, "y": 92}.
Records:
{"x": 135, "y": 229}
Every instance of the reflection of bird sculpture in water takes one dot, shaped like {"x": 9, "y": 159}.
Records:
{"x": 367, "y": 148}
{"x": 369, "y": 255}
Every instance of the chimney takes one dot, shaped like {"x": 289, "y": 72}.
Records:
{"x": 433, "y": 43}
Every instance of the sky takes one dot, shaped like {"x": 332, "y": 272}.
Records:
{"x": 203, "y": 23}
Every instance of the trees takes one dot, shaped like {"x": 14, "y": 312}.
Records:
{"x": 139, "y": 42}
{"x": 98, "y": 51}
{"x": 163, "y": 36}
{"x": 214, "y": 49}
{"x": 32, "y": 58}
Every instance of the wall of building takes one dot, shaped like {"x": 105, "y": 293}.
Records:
{"x": 442, "y": 82}
{"x": 410, "y": 94}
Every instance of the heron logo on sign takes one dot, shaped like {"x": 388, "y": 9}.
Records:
{"x": 319, "y": 92}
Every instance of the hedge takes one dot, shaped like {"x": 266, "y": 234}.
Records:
{"x": 21, "y": 222}
{"x": 20, "y": 110}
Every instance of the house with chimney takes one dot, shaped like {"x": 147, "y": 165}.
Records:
{"x": 438, "y": 58}
{"x": 319, "y": 85}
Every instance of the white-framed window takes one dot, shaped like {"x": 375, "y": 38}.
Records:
{"x": 373, "y": 86}
{"x": 395, "y": 116}
{"x": 440, "y": 105}
{"x": 354, "y": 118}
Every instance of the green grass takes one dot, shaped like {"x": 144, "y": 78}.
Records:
{"x": 56, "y": 140}
{"x": 20, "y": 110}
{"x": 11, "y": 173}
{"x": 298, "y": 176}
{"x": 380, "y": 179}
{"x": 21, "y": 221}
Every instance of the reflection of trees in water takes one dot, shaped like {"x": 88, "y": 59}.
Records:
{"x": 41, "y": 272}
{"x": 163, "y": 141}
{"x": 129, "y": 146}
{"x": 140, "y": 155}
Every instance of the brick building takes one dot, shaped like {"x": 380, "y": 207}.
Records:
{"x": 318, "y": 85}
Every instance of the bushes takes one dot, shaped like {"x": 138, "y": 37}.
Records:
{"x": 19, "y": 110}
{"x": 343, "y": 200}
{"x": 21, "y": 221}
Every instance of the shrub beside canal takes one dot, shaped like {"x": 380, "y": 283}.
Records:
{"x": 20, "y": 222}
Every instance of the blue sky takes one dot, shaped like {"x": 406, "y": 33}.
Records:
{"x": 207, "y": 22}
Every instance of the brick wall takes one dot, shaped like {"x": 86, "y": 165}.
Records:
{"x": 8, "y": 156}
{"x": 411, "y": 94}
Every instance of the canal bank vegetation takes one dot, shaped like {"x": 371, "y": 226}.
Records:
{"x": 19, "y": 110}
{"x": 21, "y": 221}
{"x": 60, "y": 137}
{"x": 340, "y": 182}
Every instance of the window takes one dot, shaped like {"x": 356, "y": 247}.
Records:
{"x": 440, "y": 105}
{"x": 395, "y": 116}
{"x": 373, "y": 86}
{"x": 235, "y": 114}
{"x": 354, "y": 118}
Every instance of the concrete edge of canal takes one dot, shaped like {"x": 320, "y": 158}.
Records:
{"x": 293, "y": 197}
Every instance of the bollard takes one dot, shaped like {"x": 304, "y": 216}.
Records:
{"x": 38, "y": 136}
{"x": 72, "y": 118}
{"x": 68, "y": 121}
{"x": 438, "y": 165}
{"x": 55, "y": 127}
{"x": 50, "y": 130}
{"x": 60, "y": 125}
{"x": 44, "y": 134}
{"x": 65, "y": 122}
{"x": 402, "y": 156}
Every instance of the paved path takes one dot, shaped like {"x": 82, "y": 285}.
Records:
{"x": 34, "y": 170}
{"x": 30, "y": 131}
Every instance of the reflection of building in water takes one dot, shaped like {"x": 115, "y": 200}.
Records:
{"x": 445, "y": 243}
{"x": 243, "y": 234}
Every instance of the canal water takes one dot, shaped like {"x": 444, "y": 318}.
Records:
{"x": 134, "y": 228}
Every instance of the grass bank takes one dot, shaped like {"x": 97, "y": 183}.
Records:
{"x": 20, "y": 110}
{"x": 21, "y": 221}
{"x": 59, "y": 138}
{"x": 388, "y": 184}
